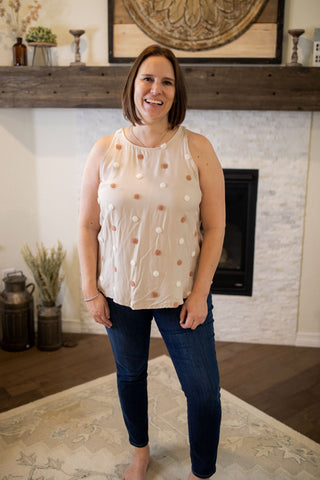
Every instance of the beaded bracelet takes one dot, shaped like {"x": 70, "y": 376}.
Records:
{"x": 91, "y": 298}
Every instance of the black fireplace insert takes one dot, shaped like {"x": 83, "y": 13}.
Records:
{"x": 234, "y": 275}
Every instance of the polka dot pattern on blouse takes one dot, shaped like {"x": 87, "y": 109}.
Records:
{"x": 149, "y": 240}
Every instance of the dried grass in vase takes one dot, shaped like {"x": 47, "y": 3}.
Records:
{"x": 45, "y": 267}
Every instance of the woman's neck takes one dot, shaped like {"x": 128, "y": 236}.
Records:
{"x": 149, "y": 136}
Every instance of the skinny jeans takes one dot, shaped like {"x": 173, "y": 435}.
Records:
{"x": 194, "y": 358}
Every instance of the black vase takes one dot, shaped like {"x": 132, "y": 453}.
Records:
{"x": 19, "y": 53}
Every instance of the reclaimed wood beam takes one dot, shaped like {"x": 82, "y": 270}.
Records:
{"x": 220, "y": 87}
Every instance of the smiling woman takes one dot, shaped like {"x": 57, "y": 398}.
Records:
{"x": 155, "y": 181}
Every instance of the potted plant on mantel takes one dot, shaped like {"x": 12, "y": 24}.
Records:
{"x": 45, "y": 267}
{"x": 43, "y": 38}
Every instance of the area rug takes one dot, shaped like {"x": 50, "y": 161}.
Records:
{"x": 79, "y": 434}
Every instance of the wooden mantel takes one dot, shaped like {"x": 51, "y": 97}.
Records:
{"x": 231, "y": 87}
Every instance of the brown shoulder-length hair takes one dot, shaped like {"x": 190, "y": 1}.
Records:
{"x": 178, "y": 110}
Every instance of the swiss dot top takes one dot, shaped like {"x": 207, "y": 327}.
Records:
{"x": 149, "y": 240}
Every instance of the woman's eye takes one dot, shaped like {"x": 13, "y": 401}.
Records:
{"x": 168, "y": 82}
{"x": 147, "y": 79}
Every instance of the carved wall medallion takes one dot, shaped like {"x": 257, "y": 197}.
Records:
{"x": 194, "y": 25}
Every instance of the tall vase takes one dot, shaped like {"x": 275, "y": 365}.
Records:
{"x": 19, "y": 53}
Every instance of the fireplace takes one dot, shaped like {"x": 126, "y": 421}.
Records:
{"x": 234, "y": 275}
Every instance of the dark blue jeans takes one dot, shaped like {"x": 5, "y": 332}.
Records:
{"x": 194, "y": 358}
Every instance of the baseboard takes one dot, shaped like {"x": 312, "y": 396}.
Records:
{"x": 74, "y": 325}
{"x": 307, "y": 339}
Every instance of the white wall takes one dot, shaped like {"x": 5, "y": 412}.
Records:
{"x": 40, "y": 164}
{"x": 300, "y": 14}
{"x": 61, "y": 16}
{"x": 39, "y": 172}
{"x": 308, "y": 326}
{"x": 306, "y": 15}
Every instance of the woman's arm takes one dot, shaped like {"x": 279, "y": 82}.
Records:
{"x": 89, "y": 227}
{"x": 212, "y": 214}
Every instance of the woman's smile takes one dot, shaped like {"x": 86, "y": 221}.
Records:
{"x": 154, "y": 102}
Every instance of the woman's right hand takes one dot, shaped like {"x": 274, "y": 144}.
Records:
{"x": 99, "y": 310}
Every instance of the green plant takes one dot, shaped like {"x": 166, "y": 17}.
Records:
{"x": 18, "y": 18}
{"x": 41, "y": 35}
{"x": 45, "y": 267}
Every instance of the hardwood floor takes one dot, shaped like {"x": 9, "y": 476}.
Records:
{"x": 282, "y": 381}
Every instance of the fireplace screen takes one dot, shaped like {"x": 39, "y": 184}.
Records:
{"x": 234, "y": 275}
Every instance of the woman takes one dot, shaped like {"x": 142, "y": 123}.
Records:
{"x": 142, "y": 255}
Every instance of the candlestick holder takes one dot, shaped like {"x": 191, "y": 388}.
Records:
{"x": 77, "y": 34}
{"x": 295, "y": 33}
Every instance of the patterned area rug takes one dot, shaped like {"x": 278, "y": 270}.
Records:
{"x": 79, "y": 434}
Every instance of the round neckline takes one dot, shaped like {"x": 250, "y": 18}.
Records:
{"x": 151, "y": 148}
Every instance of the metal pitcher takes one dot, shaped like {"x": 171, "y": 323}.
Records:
{"x": 17, "y": 313}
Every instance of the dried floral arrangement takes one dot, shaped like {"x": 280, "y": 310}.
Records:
{"x": 18, "y": 17}
{"x": 45, "y": 267}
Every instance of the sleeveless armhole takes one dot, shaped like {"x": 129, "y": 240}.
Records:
{"x": 108, "y": 150}
{"x": 192, "y": 162}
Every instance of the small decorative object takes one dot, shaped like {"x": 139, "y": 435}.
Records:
{"x": 20, "y": 57}
{"x": 45, "y": 267}
{"x": 16, "y": 313}
{"x": 77, "y": 34}
{"x": 316, "y": 48}
{"x": 295, "y": 33}
{"x": 41, "y": 39}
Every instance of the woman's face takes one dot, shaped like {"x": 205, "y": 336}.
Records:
{"x": 154, "y": 89}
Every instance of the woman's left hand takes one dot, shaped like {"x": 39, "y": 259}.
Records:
{"x": 194, "y": 311}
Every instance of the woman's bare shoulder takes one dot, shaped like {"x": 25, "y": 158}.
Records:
{"x": 200, "y": 147}
{"x": 196, "y": 138}
{"x": 102, "y": 145}
{"x": 98, "y": 151}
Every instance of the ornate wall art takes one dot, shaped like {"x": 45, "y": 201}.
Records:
{"x": 195, "y": 25}
{"x": 233, "y": 31}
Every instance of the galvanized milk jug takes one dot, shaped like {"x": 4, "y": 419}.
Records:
{"x": 16, "y": 313}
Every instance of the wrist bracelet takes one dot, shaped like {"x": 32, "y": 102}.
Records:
{"x": 91, "y": 298}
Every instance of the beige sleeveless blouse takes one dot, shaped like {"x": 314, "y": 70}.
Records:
{"x": 149, "y": 240}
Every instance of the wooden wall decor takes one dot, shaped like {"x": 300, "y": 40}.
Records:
{"x": 211, "y": 31}
{"x": 196, "y": 25}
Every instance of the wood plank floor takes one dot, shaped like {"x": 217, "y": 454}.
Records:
{"x": 282, "y": 381}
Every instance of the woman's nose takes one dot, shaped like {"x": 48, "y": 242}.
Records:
{"x": 156, "y": 87}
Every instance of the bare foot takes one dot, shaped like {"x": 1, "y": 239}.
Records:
{"x": 138, "y": 468}
{"x": 193, "y": 477}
